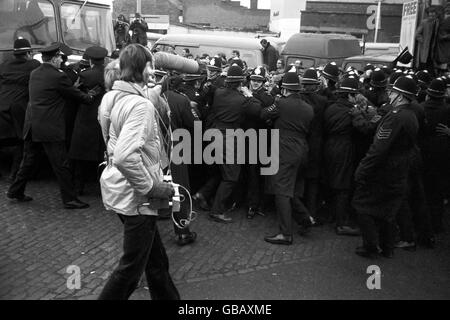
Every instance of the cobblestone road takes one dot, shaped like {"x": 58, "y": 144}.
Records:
{"x": 40, "y": 239}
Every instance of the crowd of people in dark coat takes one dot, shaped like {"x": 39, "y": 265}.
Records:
{"x": 367, "y": 150}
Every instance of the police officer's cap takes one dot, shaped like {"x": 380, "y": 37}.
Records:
{"x": 437, "y": 88}
{"x": 423, "y": 77}
{"x": 51, "y": 50}
{"x": 406, "y": 86}
{"x": 349, "y": 85}
{"x": 378, "y": 78}
{"x": 369, "y": 67}
{"x": 310, "y": 77}
{"x": 258, "y": 74}
{"x": 96, "y": 52}
{"x": 215, "y": 64}
{"x": 234, "y": 74}
{"x": 237, "y": 61}
{"x": 65, "y": 49}
{"x": 290, "y": 81}
{"x": 21, "y": 45}
{"x": 191, "y": 77}
{"x": 331, "y": 71}
{"x": 397, "y": 74}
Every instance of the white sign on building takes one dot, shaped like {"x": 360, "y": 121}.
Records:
{"x": 409, "y": 25}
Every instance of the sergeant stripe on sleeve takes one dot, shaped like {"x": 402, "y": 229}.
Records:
{"x": 383, "y": 133}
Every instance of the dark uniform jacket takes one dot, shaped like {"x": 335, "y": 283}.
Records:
{"x": 206, "y": 98}
{"x": 315, "y": 138}
{"x": 87, "y": 141}
{"x": 376, "y": 96}
{"x": 194, "y": 98}
{"x": 181, "y": 116}
{"x": 49, "y": 87}
{"x": 339, "y": 148}
{"x": 14, "y": 78}
{"x": 435, "y": 148}
{"x": 381, "y": 177}
{"x": 292, "y": 117}
{"x": 229, "y": 111}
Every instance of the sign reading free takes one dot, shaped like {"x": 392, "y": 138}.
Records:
{"x": 409, "y": 25}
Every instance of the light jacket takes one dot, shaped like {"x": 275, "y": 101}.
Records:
{"x": 129, "y": 127}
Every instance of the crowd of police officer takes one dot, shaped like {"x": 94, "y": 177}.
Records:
{"x": 367, "y": 150}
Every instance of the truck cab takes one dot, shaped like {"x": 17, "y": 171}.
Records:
{"x": 314, "y": 49}
{"x": 77, "y": 23}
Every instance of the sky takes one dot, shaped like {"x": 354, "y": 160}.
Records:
{"x": 262, "y": 4}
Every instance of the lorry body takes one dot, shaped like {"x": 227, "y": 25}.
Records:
{"x": 77, "y": 23}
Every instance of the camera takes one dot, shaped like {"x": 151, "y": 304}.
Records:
{"x": 175, "y": 203}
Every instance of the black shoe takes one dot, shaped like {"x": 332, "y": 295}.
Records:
{"x": 405, "y": 245}
{"x": 251, "y": 213}
{"x": 19, "y": 198}
{"x": 220, "y": 218}
{"x": 201, "y": 201}
{"x": 348, "y": 231}
{"x": 184, "y": 239}
{"x": 364, "y": 252}
{"x": 75, "y": 204}
{"x": 279, "y": 239}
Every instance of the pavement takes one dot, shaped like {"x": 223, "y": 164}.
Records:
{"x": 39, "y": 240}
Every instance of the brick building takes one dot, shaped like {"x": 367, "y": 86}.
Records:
{"x": 211, "y": 13}
{"x": 357, "y": 18}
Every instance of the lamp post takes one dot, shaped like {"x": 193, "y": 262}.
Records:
{"x": 138, "y": 6}
{"x": 377, "y": 23}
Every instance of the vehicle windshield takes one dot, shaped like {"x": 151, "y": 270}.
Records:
{"x": 33, "y": 20}
{"x": 87, "y": 26}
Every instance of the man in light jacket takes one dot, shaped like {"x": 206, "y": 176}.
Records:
{"x": 131, "y": 183}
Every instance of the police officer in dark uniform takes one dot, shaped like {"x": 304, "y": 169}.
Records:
{"x": 232, "y": 105}
{"x": 87, "y": 146}
{"x": 424, "y": 79}
{"x": 190, "y": 87}
{"x": 436, "y": 151}
{"x": 330, "y": 76}
{"x": 309, "y": 93}
{"x": 382, "y": 176}
{"x": 181, "y": 117}
{"x": 45, "y": 127}
{"x": 292, "y": 117}
{"x": 254, "y": 179}
{"x": 339, "y": 153}
{"x": 14, "y": 78}
{"x": 376, "y": 93}
{"x": 213, "y": 82}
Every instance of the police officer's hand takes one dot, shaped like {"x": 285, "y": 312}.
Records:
{"x": 161, "y": 190}
{"x": 442, "y": 130}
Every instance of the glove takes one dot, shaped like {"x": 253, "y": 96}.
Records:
{"x": 161, "y": 190}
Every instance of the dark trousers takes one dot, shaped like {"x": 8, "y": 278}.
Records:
{"x": 419, "y": 216}
{"x": 143, "y": 251}
{"x": 341, "y": 207}
{"x": 312, "y": 186}
{"x": 57, "y": 156}
{"x": 255, "y": 185}
{"x": 210, "y": 187}
{"x": 405, "y": 222}
{"x": 377, "y": 232}
{"x": 435, "y": 191}
{"x": 16, "y": 160}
